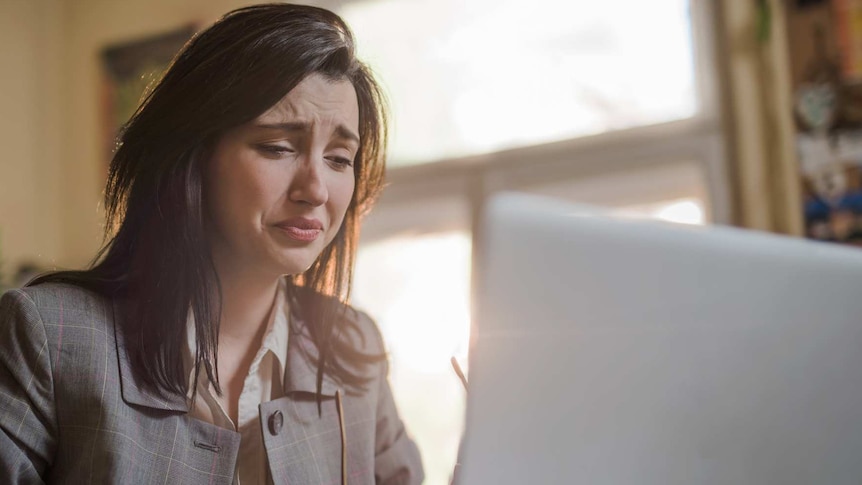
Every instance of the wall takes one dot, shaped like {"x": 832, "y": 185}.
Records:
{"x": 31, "y": 101}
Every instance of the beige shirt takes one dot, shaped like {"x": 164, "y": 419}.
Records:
{"x": 263, "y": 383}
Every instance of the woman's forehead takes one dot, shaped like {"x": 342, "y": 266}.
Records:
{"x": 316, "y": 99}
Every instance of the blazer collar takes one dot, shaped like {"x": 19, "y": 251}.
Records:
{"x": 131, "y": 388}
{"x": 300, "y": 373}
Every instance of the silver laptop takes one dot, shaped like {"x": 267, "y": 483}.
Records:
{"x": 612, "y": 351}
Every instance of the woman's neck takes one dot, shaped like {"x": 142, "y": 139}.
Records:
{"x": 247, "y": 300}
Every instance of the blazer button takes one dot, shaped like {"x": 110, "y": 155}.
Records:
{"x": 276, "y": 422}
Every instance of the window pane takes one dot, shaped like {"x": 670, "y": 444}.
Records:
{"x": 478, "y": 76}
{"x": 417, "y": 288}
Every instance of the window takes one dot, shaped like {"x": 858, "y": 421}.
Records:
{"x": 485, "y": 75}
{"x": 609, "y": 103}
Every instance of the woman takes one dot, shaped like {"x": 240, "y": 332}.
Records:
{"x": 209, "y": 343}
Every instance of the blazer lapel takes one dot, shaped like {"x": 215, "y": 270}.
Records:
{"x": 302, "y": 445}
{"x": 132, "y": 390}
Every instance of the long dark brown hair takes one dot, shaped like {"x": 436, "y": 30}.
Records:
{"x": 156, "y": 256}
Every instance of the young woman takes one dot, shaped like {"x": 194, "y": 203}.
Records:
{"x": 209, "y": 342}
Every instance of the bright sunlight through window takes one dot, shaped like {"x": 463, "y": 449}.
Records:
{"x": 467, "y": 77}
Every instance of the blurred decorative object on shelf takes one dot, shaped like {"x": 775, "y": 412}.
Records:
{"x": 847, "y": 15}
{"x": 817, "y": 98}
{"x": 828, "y": 110}
{"x": 848, "y": 20}
{"x": 832, "y": 186}
{"x": 130, "y": 69}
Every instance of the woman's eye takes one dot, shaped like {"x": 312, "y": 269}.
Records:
{"x": 276, "y": 150}
{"x": 341, "y": 162}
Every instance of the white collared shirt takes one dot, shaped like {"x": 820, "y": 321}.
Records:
{"x": 263, "y": 383}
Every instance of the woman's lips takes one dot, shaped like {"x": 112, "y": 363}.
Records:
{"x": 301, "y": 228}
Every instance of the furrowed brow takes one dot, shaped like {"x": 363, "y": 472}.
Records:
{"x": 300, "y": 126}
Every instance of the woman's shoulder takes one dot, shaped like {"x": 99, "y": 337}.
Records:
{"x": 58, "y": 303}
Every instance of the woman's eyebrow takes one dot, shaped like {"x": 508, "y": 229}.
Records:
{"x": 300, "y": 126}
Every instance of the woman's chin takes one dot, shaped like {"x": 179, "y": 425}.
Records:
{"x": 294, "y": 264}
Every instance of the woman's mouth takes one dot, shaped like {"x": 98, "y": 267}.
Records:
{"x": 301, "y": 229}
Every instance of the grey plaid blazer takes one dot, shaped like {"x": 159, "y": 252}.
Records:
{"x": 71, "y": 411}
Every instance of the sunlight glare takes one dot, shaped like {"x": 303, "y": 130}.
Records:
{"x": 423, "y": 306}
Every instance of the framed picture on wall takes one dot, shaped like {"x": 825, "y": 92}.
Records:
{"x": 129, "y": 69}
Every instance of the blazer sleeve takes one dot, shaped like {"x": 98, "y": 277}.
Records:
{"x": 28, "y": 426}
{"x": 397, "y": 460}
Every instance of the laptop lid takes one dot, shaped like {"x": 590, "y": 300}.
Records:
{"x": 611, "y": 351}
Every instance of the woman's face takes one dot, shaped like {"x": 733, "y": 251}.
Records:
{"x": 278, "y": 187}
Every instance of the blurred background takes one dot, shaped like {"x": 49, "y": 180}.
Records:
{"x": 735, "y": 112}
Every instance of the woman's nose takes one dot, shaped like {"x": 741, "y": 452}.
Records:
{"x": 308, "y": 185}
